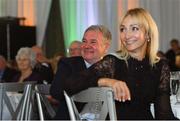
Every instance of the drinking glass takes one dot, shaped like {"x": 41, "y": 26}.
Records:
{"x": 174, "y": 82}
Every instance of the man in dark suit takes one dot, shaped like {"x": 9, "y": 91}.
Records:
{"x": 172, "y": 53}
{"x": 95, "y": 44}
{"x": 6, "y": 73}
{"x": 43, "y": 67}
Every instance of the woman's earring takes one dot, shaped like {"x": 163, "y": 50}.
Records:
{"x": 147, "y": 37}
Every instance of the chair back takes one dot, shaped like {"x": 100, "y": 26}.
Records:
{"x": 43, "y": 90}
{"x": 24, "y": 107}
{"x": 95, "y": 95}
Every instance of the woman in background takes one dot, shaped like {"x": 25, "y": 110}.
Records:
{"x": 54, "y": 61}
{"x": 26, "y": 60}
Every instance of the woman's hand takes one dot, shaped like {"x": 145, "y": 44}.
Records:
{"x": 121, "y": 91}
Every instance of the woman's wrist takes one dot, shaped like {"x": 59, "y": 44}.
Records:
{"x": 102, "y": 82}
{"x": 105, "y": 82}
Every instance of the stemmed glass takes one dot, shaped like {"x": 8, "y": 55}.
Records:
{"x": 175, "y": 83}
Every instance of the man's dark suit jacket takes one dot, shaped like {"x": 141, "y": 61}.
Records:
{"x": 66, "y": 68}
{"x": 8, "y": 74}
{"x": 45, "y": 70}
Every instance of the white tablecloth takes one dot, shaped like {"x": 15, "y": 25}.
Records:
{"x": 175, "y": 106}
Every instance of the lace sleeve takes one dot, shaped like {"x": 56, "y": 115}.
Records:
{"x": 162, "y": 104}
{"x": 164, "y": 86}
{"x": 105, "y": 68}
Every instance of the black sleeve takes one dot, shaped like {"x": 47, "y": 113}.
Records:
{"x": 162, "y": 104}
{"x": 89, "y": 77}
{"x": 63, "y": 71}
{"x": 45, "y": 70}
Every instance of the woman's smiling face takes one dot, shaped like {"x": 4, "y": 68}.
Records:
{"x": 132, "y": 35}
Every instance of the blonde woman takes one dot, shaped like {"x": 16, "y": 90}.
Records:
{"x": 136, "y": 74}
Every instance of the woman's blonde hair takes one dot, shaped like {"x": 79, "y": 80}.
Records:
{"x": 147, "y": 22}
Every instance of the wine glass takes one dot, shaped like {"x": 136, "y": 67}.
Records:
{"x": 174, "y": 84}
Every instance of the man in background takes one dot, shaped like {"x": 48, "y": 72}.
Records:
{"x": 172, "y": 53}
{"x": 43, "y": 67}
{"x": 95, "y": 44}
{"x": 75, "y": 48}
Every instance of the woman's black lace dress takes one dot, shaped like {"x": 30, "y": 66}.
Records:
{"x": 147, "y": 85}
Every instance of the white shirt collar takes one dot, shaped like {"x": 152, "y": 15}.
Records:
{"x": 87, "y": 64}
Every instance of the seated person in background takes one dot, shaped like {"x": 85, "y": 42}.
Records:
{"x": 171, "y": 54}
{"x": 43, "y": 66}
{"x": 161, "y": 54}
{"x": 95, "y": 44}
{"x": 26, "y": 60}
{"x": 75, "y": 48}
{"x": 55, "y": 59}
{"x": 178, "y": 61}
{"x": 136, "y": 74}
{"x": 6, "y": 73}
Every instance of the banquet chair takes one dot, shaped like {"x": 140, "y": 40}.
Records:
{"x": 42, "y": 91}
{"x": 24, "y": 106}
{"x": 94, "y": 94}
